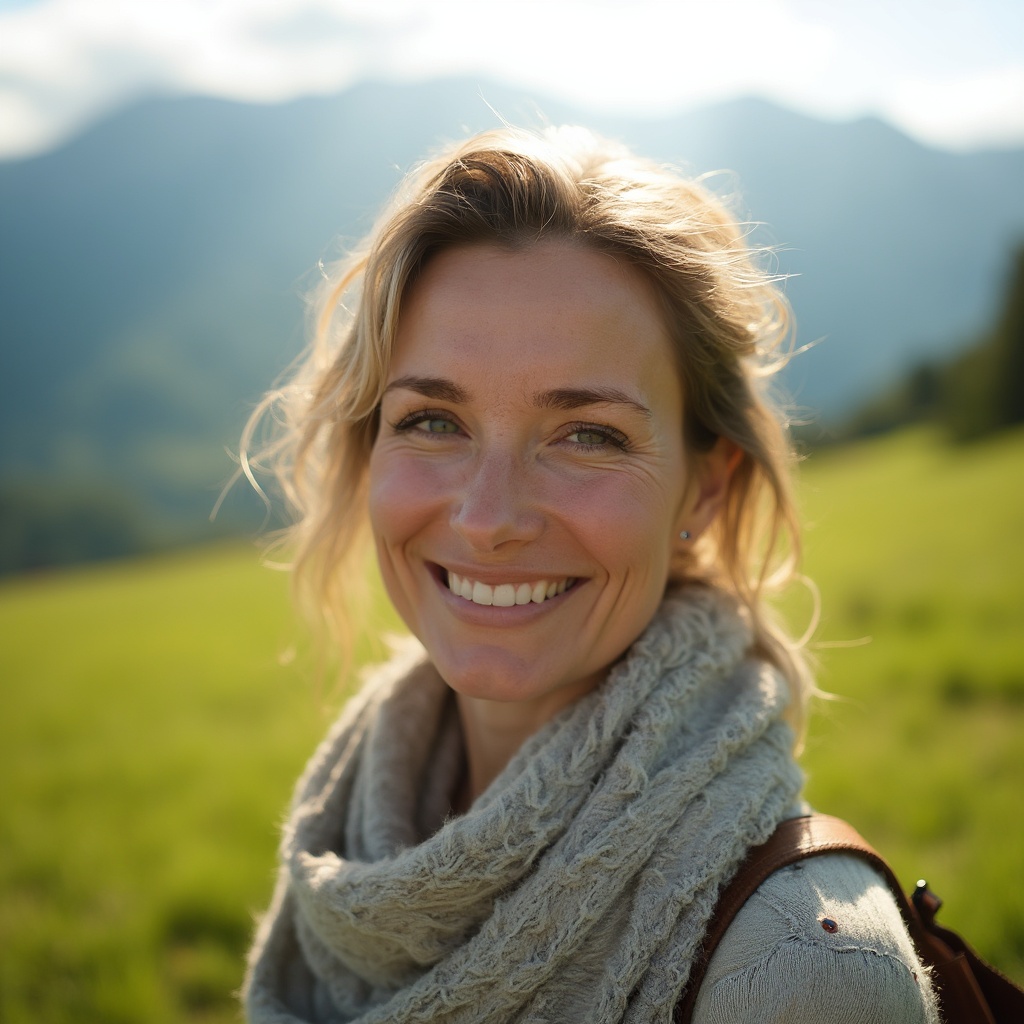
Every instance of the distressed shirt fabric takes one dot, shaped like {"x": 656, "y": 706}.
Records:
{"x": 820, "y": 940}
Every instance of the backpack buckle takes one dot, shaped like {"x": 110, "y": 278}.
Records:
{"x": 926, "y": 903}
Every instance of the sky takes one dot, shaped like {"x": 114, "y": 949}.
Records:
{"x": 950, "y": 73}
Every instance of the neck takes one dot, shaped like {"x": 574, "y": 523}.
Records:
{"x": 494, "y": 730}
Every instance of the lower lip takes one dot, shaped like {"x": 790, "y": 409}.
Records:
{"x": 494, "y": 615}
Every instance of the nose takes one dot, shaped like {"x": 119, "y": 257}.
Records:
{"x": 496, "y": 503}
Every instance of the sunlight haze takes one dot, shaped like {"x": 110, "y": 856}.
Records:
{"x": 950, "y": 74}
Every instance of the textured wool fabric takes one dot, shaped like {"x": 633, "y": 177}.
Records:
{"x": 579, "y": 884}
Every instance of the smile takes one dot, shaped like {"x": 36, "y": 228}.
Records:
{"x": 505, "y": 595}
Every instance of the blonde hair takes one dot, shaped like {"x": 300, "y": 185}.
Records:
{"x": 727, "y": 319}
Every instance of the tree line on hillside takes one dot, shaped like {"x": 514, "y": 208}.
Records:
{"x": 47, "y": 523}
{"x": 968, "y": 396}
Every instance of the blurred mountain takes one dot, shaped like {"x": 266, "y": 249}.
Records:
{"x": 151, "y": 269}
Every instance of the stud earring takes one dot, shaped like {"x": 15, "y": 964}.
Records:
{"x": 684, "y": 534}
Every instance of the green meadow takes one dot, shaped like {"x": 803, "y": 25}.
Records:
{"x": 156, "y": 716}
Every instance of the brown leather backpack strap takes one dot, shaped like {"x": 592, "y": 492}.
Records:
{"x": 795, "y": 839}
{"x": 969, "y": 988}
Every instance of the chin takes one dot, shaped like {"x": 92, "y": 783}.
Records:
{"x": 503, "y": 677}
{"x": 490, "y": 675}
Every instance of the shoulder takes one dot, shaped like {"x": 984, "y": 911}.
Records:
{"x": 822, "y": 939}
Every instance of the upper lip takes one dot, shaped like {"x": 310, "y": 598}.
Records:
{"x": 496, "y": 576}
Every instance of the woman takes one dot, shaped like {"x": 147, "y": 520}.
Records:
{"x": 541, "y": 389}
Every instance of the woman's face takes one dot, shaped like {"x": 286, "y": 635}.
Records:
{"x": 530, "y": 480}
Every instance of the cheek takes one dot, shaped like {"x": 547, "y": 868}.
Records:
{"x": 401, "y": 498}
{"x": 627, "y": 521}
{"x": 399, "y": 511}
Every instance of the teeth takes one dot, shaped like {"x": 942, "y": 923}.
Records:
{"x": 505, "y": 595}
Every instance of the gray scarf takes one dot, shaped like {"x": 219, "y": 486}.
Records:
{"x": 577, "y": 887}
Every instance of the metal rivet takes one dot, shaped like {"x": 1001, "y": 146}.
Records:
{"x": 829, "y": 925}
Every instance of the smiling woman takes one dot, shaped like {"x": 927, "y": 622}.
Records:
{"x": 480, "y": 476}
{"x": 497, "y": 486}
{"x": 540, "y": 389}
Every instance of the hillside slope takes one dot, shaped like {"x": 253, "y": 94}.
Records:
{"x": 152, "y": 734}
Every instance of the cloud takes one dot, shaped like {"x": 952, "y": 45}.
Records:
{"x": 645, "y": 56}
{"x": 963, "y": 112}
{"x": 63, "y": 62}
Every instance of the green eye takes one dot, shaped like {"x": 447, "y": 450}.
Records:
{"x": 596, "y": 438}
{"x": 591, "y": 438}
{"x": 438, "y": 426}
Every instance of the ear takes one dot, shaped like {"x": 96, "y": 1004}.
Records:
{"x": 711, "y": 472}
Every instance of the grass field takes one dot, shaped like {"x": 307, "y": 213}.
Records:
{"x": 153, "y": 727}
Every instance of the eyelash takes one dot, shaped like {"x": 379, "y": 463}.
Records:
{"x": 615, "y": 438}
{"x": 422, "y": 416}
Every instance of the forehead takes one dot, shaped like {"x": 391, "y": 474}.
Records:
{"x": 555, "y": 310}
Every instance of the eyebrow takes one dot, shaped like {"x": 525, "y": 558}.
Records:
{"x": 575, "y": 398}
{"x": 439, "y": 388}
{"x": 444, "y": 390}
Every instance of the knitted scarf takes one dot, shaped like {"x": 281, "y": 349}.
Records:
{"x": 579, "y": 884}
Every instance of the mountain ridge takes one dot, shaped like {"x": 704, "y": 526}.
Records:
{"x": 153, "y": 265}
